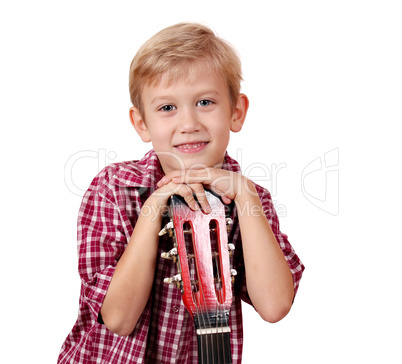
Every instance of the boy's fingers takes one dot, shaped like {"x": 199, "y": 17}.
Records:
{"x": 191, "y": 176}
{"x": 201, "y": 175}
{"x": 187, "y": 193}
{"x": 201, "y": 197}
{"x": 226, "y": 200}
{"x": 183, "y": 190}
{"x": 168, "y": 178}
{"x": 190, "y": 179}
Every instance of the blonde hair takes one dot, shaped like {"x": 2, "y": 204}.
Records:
{"x": 172, "y": 50}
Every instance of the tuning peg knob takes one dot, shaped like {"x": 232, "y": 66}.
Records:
{"x": 233, "y": 273}
{"x": 174, "y": 280}
{"x": 171, "y": 255}
{"x": 168, "y": 228}
{"x": 231, "y": 249}
{"x": 229, "y": 222}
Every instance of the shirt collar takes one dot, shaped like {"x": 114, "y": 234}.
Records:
{"x": 231, "y": 165}
{"x": 148, "y": 171}
{"x": 143, "y": 173}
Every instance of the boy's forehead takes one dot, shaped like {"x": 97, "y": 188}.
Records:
{"x": 185, "y": 73}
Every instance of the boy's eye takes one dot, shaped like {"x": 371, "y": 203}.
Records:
{"x": 167, "y": 108}
{"x": 204, "y": 103}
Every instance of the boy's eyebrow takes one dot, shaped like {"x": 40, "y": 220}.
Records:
{"x": 210, "y": 92}
{"x": 158, "y": 99}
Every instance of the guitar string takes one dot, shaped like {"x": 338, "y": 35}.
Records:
{"x": 219, "y": 299}
{"x": 219, "y": 309}
{"x": 216, "y": 237}
{"x": 216, "y": 245}
{"x": 191, "y": 267}
{"x": 209, "y": 337}
{"x": 200, "y": 316}
{"x": 220, "y": 305}
{"x": 199, "y": 323}
{"x": 202, "y": 295}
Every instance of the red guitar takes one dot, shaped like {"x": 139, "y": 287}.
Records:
{"x": 201, "y": 252}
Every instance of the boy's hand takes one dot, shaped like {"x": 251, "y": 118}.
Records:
{"x": 228, "y": 185}
{"x": 169, "y": 188}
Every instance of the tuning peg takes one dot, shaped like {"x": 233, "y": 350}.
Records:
{"x": 229, "y": 222}
{"x": 171, "y": 255}
{"x": 233, "y": 273}
{"x": 168, "y": 228}
{"x": 174, "y": 280}
{"x": 231, "y": 249}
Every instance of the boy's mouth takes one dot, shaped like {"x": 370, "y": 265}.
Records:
{"x": 191, "y": 147}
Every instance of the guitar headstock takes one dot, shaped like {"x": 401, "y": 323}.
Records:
{"x": 201, "y": 253}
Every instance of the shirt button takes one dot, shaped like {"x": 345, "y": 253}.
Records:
{"x": 175, "y": 309}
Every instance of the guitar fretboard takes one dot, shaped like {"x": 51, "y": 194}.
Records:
{"x": 214, "y": 348}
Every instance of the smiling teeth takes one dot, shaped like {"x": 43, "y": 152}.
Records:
{"x": 191, "y": 146}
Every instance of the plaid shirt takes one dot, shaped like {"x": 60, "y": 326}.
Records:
{"x": 165, "y": 330}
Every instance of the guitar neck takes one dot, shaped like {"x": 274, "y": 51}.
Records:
{"x": 214, "y": 348}
{"x": 213, "y": 337}
{"x": 201, "y": 252}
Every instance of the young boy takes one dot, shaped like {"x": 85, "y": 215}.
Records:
{"x": 185, "y": 90}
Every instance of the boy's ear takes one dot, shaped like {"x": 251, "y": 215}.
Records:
{"x": 139, "y": 124}
{"x": 239, "y": 115}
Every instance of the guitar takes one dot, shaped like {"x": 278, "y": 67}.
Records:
{"x": 201, "y": 253}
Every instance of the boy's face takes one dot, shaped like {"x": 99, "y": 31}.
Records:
{"x": 189, "y": 121}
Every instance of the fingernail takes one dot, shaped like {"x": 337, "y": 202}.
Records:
{"x": 208, "y": 209}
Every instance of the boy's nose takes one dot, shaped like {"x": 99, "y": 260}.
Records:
{"x": 189, "y": 122}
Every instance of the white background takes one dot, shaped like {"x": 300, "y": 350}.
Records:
{"x": 321, "y": 76}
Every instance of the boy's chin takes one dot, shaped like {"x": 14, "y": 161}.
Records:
{"x": 186, "y": 165}
{"x": 173, "y": 162}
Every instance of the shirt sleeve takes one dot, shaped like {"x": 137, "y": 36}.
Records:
{"x": 101, "y": 242}
{"x": 294, "y": 262}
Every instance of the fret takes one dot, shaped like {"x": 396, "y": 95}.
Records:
{"x": 213, "y": 330}
{"x": 214, "y": 320}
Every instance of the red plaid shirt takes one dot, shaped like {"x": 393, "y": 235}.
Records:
{"x": 165, "y": 331}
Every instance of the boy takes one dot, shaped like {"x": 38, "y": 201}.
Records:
{"x": 185, "y": 89}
